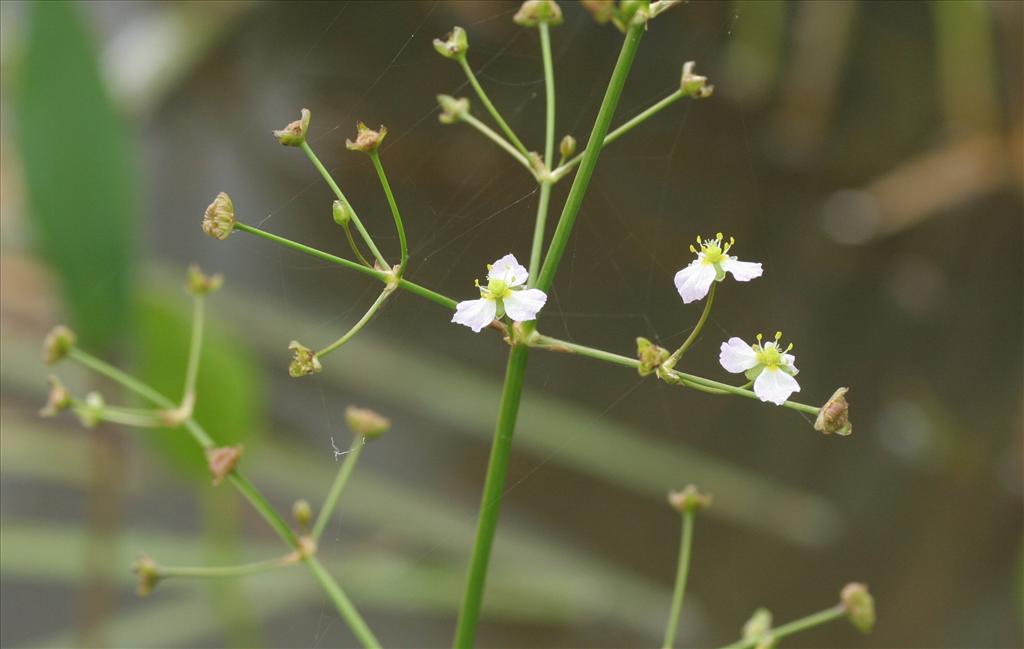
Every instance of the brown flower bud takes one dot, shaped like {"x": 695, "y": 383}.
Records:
{"x": 834, "y": 416}
{"x": 859, "y": 606}
{"x": 304, "y": 360}
{"x": 200, "y": 284}
{"x": 689, "y": 500}
{"x": 222, "y": 460}
{"x": 367, "y": 139}
{"x": 535, "y": 12}
{"x": 57, "y": 344}
{"x": 148, "y": 573}
{"x": 600, "y": 10}
{"x": 452, "y": 109}
{"x": 454, "y": 45}
{"x": 295, "y": 133}
{"x": 651, "y": 356}
{"x": 219, "y": 218}
{"x": 58, "y": 400}
{"x": 366, "y": 422}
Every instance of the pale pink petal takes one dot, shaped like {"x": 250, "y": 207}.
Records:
{"x": 694, "y": 281}
{"x": 524, "y": 305}
{"x": 775, "y": 386}
{"x": 743, "y": 271}
{"x": 509, "y": 270}
{"x": 475, "y": 314}
{"x": 737, "y": 356}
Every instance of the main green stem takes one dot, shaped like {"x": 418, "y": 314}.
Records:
{"x": 490, "y": 503}
{"x": 506, "y": 129}
{"x": 681, "y": 573}
{"x": 340, "y": 480}
{"x": 796, "y": 626}
{"x": 341, "y": 197}
{"x": 589, "y": 161}
{"x": 344, "y": 606}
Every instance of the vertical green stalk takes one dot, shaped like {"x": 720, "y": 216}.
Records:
{"x": 502, "y": 124}
{"x": 341, "y": 197}
{"x": 375, "y": 157}
{"x": 549, "y": 149}
{"x": 681, "y": 574}
{"x": 344, "y": 471}
{"x": 490, "y": 503}
{"x": 195, "y": 350}
{"x": 344, "y": 605}
{"x": 582, "y": 180}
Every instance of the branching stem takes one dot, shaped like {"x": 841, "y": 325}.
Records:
{"x": 796, "y": 626}
{"x": 486, "y": 101}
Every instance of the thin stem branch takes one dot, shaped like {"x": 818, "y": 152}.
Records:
{"x": 682, "y": 572}
{"x": 357, "y": 327}
{"x": 566, "y": 167}
{"x": 341, "y": 197}
{"x": 556, "y": 344}
{"x": 540, "y": 224}
{"x": 340, "y": 480}
{"x": 490, "y": 502}
{"x": 796, "y": 626}
{"x": 344, "y": 605}
{"x": 505, "y": 128}
{"x": 574, "y": 201}
{"x": 213, "y": 572}
{"x": 375, "y": 157}
{"x": 491, "y": 135}
{"x": 677, "y": 354}
{"x": 355, "y": 249}
{"x": 127, "y": 417}
{"x": 195, "y": 349}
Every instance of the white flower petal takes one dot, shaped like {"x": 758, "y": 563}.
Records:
{"x": 775, "y": 386}
{"x": 694, "y": 281}
{"x": 737, "y": 356}
{"x": 743, "y": 271}
{"x": 788, "y": 365}
{"x": 524, "y": 305}
{"x": 509, "y": 270}
{"x": 475, "y": 314}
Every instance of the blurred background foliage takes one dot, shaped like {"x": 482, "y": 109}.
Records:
{"x": 868, "y": 153}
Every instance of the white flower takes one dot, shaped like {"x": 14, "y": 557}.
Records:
{"x": 505, "y": 294}
{"x": 711, "y": 264}
{"x": 769, "y": 366}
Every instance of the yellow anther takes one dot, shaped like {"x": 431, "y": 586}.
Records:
{"x": 759, "y": 337}
{"x": 718, "y": 236}
{"x": 692, "y": 249}
{"x": 789, "y": 348}
{"x": 698, "y": 238}
{"x": 778, "y": 335}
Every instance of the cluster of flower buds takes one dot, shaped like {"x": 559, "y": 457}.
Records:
{"x": 367, "y": 140}
{"x": 454, "y": 45}
{"x": 694, "y": 85}
{"x": 626, "y": 12}
{"x": 366, "y": 423}
{"x": 295, "y": 133}
{"x": 304, "y": 360}
{"x": 58, "y": 400}
{"x": 219, "y": 218}
{"x": 222, "y": 460}
{"x": 202, "y": 284}
{"x": 452, "y": 109}
{"x": 57, "y": 344}
{"x": 689, "y": 500}
{"x": 859, "y": 606}
{"x": 535, "y": 12}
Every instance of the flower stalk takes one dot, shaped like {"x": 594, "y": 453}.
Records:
{"x": 375, "y": 157}
{"x": 486, "y": 101}
{"x": 796, "y": 626}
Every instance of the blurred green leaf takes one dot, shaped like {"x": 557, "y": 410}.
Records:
{"x": 229, "y": 388}
{"x": 79, "y": 170}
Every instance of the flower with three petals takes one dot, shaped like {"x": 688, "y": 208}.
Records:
{"x": 505, "y": 294}
{"x": 770, "y": 367}
{"x": 711, "y": 265}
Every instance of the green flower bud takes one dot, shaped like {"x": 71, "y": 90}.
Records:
{"x": 694, "y": 85}
{"x": 834, "y": 416}
{"x": 222, "y": 461}
{"x": 452, "y": 109}
{"x": 454, "y": 45}
{"x": 859, "y": 606}
{"x": 219, "y": 218}
{"x": 58, "y": 400}
{"x": 341, "y": 213}
{"x": 651, "y": 356}
{"x": 366, "y": 422}
{"x": 567, "y": 147}
{"x": 90, "y": 411}
{"x": 200, "y": 284}
{"x": 302, "y": 512}
{"x": 295, "y": 133}
{"x": 367, "y": 139}
{"x": 57, "y": 344}
{"x": 600, "y": 10}
{"x": 758, "y": 629}
{"x": 148, "y": 573}
{"x": 535, "y": 12}
{"x": 688, "y": 500}
{"x": 304, "y": 360}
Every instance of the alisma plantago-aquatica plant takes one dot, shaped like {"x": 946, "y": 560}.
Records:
{"x": 509, "y": 300}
